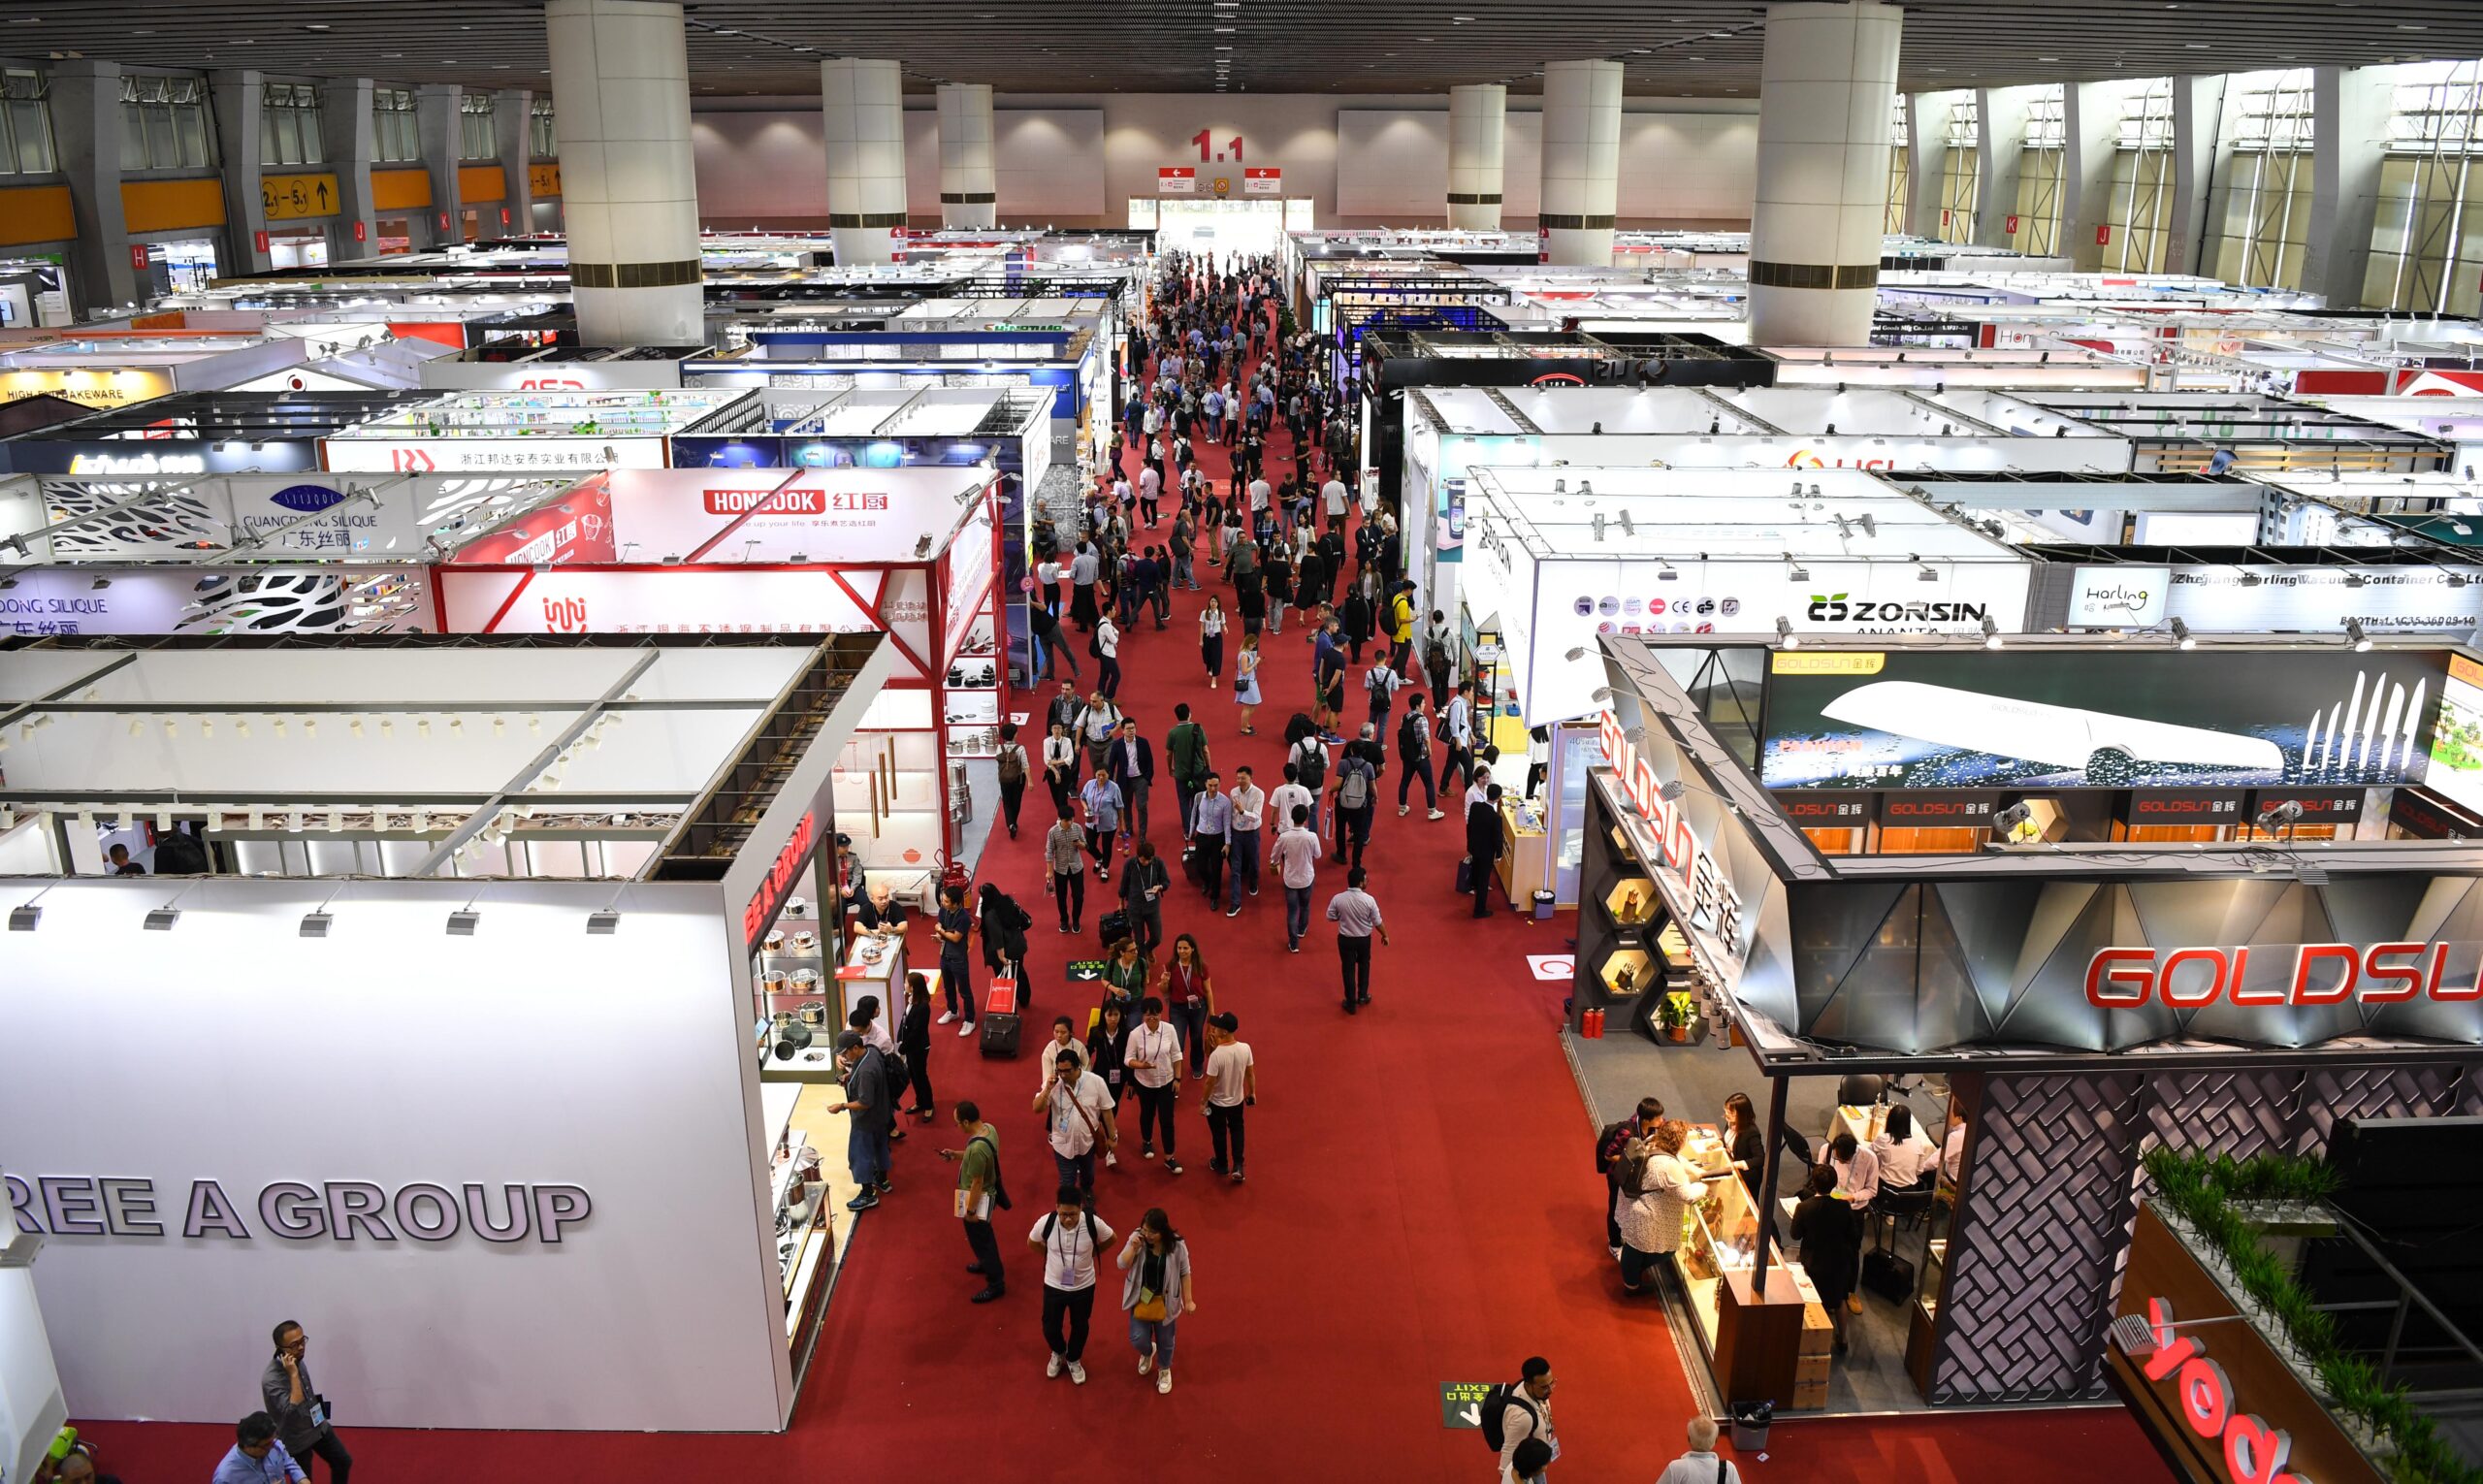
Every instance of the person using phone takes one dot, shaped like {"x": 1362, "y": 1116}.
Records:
{"x": 301, "y": 1413}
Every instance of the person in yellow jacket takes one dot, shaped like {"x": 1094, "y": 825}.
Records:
{"x": 1401, "y": 626}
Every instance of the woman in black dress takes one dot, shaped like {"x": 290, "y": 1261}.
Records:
{"x": 1278, "y": 577}
{"x": 914, "y": 1043}
{"x": 1831, "y": 1232}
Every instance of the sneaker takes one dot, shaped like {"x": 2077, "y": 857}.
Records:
{"x": 1078, "y": 1372}
{"x": 863, "y": 1201}
{"x": 1052, "y": 1367}
{"x": 1216, "y": 1165}
{"x": 1164, "y": 1383}
{"x": 1146, "y": 1151}
{"x": 1147, "y": 1363}
{"x": 1404, "y": 810}
{"x": 1237, "y": 1175}
{"x": 1616, "y": 1253}
{"x": 1293, "y": 945}
{"x": 949, "y": 1019}
{"x": 1233, "y": 911}
{"x": 986, "y": 1295}
{"x": 1111, "y": 1161}
{"x": 1254, "y": 891}
{"x": 1172, "y": 1164}
{"x": 1437, "y": 815}
{"x": 966, "y": 1029}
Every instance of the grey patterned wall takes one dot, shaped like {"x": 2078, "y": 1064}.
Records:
{"x": 2036, "y": 1253}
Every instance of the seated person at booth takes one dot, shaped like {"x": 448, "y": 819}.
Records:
{"x": 881, "y": 915}
{"x": 1904, "y": 1159}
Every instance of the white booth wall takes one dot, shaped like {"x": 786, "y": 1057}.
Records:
{"x": 32, "y": 1407}
{"x": 394, "y": 1054}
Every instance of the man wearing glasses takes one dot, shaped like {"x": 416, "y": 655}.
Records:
{"x": 300, "y": 1412}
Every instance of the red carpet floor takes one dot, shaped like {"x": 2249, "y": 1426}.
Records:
{"x": 1421, "y": 1210}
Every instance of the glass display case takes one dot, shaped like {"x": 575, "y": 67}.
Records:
{"x": 1755, "y": 1345}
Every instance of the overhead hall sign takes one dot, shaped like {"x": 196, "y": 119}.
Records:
{"x": 290, "y": 198}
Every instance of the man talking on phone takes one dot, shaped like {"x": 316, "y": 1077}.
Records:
{"x": 300, "y": 1412}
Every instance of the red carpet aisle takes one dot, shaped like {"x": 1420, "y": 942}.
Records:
{"x": 1421, "y": 1209}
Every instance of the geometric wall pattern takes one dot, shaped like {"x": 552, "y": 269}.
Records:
{"x": 1924, "y": 966}
{"x": 2044, "y": 1223}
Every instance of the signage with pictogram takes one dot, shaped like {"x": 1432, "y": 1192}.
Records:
{"x": 291, "y": 198}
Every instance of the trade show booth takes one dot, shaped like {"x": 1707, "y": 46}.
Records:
{"x": 2061, "y": 1009}
{"x": 537, "y": 431}
{"x": 206, "y": 433}
{"x": 911, "y": 553}
{"x": 543, "y": 874}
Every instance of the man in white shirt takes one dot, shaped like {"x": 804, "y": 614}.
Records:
{"x": 1070, "y": 1237}
{"x": 1081, "y": 1107}
{"x": 1242, "y": 842}
{"x": 1150, "y": 484}
{"x": 1336, "y": 498}
{"x": 1296, "y": 861}
{"x": 1528, "y": 1413}
{"x": 1858, "y": 1174}
{"x": 1153, "y": 1057}
{"x": 1260, "y": 493}
{"x": 1232, "y": 1085}
{"x": 1700, "y": 1466}
{"x": 1289, "y": 795}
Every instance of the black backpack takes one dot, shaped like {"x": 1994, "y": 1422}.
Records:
{"x": 999, "y": 1186}
{"x": 1310, "y": 763}
{"x": 1052, "y": 1222}
{"x": 1611, "y": 1142}
{"x": 1498, "y": 1400}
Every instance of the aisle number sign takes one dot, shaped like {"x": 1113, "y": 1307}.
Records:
{"x": 289, "y": 197}
{"x": 1461, "y": 1403}
{"x": 543, "y": 180}
{"x": 1263, "y": 180}
{"x": 1178, "y": 180}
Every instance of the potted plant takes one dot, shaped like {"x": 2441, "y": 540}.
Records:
{"x": 1672, "y": 1013}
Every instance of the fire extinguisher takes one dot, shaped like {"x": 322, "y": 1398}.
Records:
{"x": 1593, "y": 1024}
{"x": 953, "y": 873}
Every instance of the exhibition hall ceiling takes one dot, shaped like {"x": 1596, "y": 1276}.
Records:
{"x": 1672, "y": 48}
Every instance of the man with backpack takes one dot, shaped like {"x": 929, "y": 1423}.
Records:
{"x": 1186, "y": 746}
{"x": 1309, "y": 760}
{"x": 980, "y": 1193}
{"x": 1357, "y": 794}
{"x": 1609, "y": 1143}
{"x": 1519, "y": 1411}
{"x": 1414, "y": 750}
{"x": 1071, "y": 1239}
{"x": 1380, "y": 682}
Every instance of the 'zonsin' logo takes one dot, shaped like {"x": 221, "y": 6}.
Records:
{"x": 1833, "y": 608}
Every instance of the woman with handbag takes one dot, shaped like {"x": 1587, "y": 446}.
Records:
{"x": 1212, "y": 638}
{"x": 1060, "y": 765}
{"x": 1657, "y": 1187}
{"x": 1245, "y": 681}
{"x": 1157, "y": 1288}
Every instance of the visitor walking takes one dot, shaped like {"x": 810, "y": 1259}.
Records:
{"x": 1356, "y": 913}
{"x": 1232, "y": 1087}
{"x": 1212, "y": 638}
{"x": 1081, "y": 1107}
{"x": 1249, "y": 817}
{"x": 1157, "y": 1290}
{"x": 1296, "y": 863}
{"x": 1245, "y": 681}
{"x": 980, "y": 1192}
{"x": 1156, "y": 1067}
{"x": 1210, "y": 823}
{"x": 1069, "y": 1239}
{"x": 1063, "y": 871}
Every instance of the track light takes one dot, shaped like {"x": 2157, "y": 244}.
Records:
{"x": 1575, "y": 654}
{"x": 462, "y": 922}
{"x": 603, "y": 924}
{"x": 2005, "y": 824}
{"x": 315, "y": 924}
{"x": 2183, "y": 639}
{"x": 171, "y": 730}
{"x": 533, "y": 724}
{"x": 1785, "y": 638}
{"x": 387, "y": 729}
{"x": 162, "y": 918}
{"x": 309, "y": 728}
{"x": 242, "y": 728}
{"x": 1991, "y": 633}
{"x": 2355, "y": 636}
{"x": 24, "y": 919}
{"x": 500, "y": 727}
{"x": 422, "y": 727}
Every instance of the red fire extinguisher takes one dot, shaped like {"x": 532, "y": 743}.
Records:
{"x": 953, "y": 873}
{"x": 1592, "y": 1022}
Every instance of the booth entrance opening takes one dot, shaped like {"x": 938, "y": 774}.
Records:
{"x": 1251, "y": 226}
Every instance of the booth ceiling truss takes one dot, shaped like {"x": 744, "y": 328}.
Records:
{"x": 1274, "y": 46}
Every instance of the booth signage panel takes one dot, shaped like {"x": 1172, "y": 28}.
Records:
{"x": 2320, "y": 599}
{"x": 1262, "y": 180}
{"x": 2426, "y": 818}
{"x": 103, "y": 387}
{"x": 2147, "y": 719}
{"x": 309, "y": 515}
{"x": 2119, "y": 596}
{"x": 450, "y": 374}
{"x": 257, "y": 599}
{"x": 422, "y": 1200}
{"x": 423, "y": 455}
{"x": 1825, "y": 808}
{"x": 2319, "y": 806}
{"x": 2030, "y": 455}
{"x": 154, "y": 458}
{"x": 1178, "y": 180}
{"x": 1948, "y": 809}
{"x": 576, "y": 528}
{"x": 2456, "y": 772}
{"x": 1712, "y": 903}
{"x": 703, "y": 599}
{"x": 2189, "y": 806}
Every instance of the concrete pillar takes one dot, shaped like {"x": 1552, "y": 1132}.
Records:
{"x": 1825, "y": 83}
{"x": 512, "y": 130}
{"x": 2199, "y": 149}
{"x": 862, "y": 108}
{"x": 2350, "y": 109}
{"x": 629, "y": 193}
{"x": 1477, "y": 134}
{"x": 969, "y": 174}
{"x": 1581, "y": 161}
{"x": 1927, "y": 144}
{"x": 85, "y": 133}
{"x": 346, "y": 133}
{"x": 2000, "y": 153}
{"x": 2091, "y": 115}
{"x": 439, "y": 109}
{"x": 234, "y": 97}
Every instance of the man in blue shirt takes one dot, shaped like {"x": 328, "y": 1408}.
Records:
{"x": 1211, "y": 821}
{"x": 256, "y": 1457}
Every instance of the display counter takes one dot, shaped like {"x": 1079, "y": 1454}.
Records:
{"x": 1770, "y": 1347}
{"x": 1525, "y": 868}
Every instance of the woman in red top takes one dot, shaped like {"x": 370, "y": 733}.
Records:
{"x": 1189, "y": 999}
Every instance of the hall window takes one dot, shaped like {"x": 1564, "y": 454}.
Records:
{"x": 2426, "y": 235}
{"x": 2039, "y": 175}
{"x": 289, "y": 124}
{"x": 1960, "y": 173}
{"x": 2266, "y": 212}
{"x": 394, "y": 133}
{"x": 2139, "y": 213}
{"x": 25, "y": 123}
{"x": 164, "y": 124}
{"x": 543, "y": 143}
{"x": 477, "y": 136}
{"x": 1900, "y": 136}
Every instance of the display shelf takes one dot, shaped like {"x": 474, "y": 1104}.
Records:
{"x": 1751, "y": 1345}
{"x": 1625, "y": 972}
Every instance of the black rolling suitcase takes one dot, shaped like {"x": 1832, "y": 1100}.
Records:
{"x": 1888, "y": 1274}
{"x": 1001, "y": 1023}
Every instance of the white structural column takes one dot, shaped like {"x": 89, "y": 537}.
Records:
{"x": 1581, "y": 161}
{"x": 1827, "y": 85}
{"x": 2001, "y": 115}
{"x": 1926, "y": 182}
{"x": 2350, "y": 109}
{"x": 2091, "y": 115}
{"x": 2201, "y": 145}
{"x": 1478, "y": 115}
{"x": 621, "y": 71}
{"x": 862, "y": 108}
{"x": 969, "y": 176}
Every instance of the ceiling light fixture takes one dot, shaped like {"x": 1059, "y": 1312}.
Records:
{"x": 2183, "y": 639}
{"x": 2355, "y": 636}
{"x": 1785, "y": 638}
